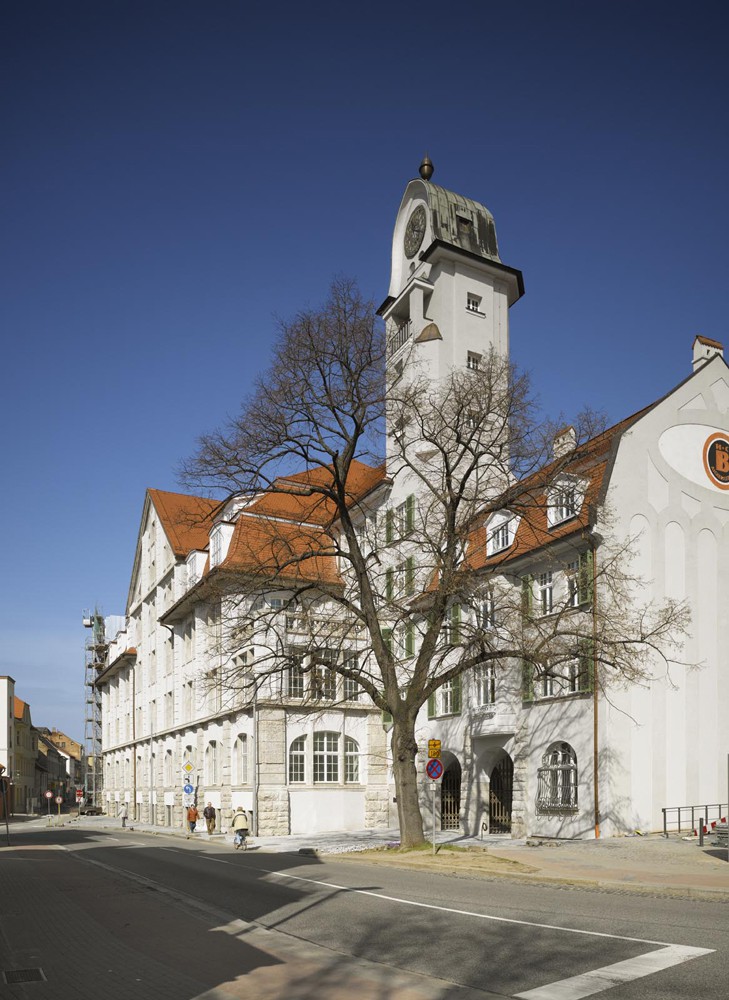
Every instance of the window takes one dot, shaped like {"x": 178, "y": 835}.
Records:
{"x": 295, "y": 679}
{"x": 579, "y": 581}
{"x": 405, "y": 517}
{"x": 240, "y": 760}
{"x": 326, "y": 757}
{"x": 187, "y": 701}
{"x": 557, "y": 779}
{"x": 486, "y": 612}
{"x": 297, "y": 756}
{"x": 564, "y": 500}
{"x": 351, "y": 760}
{"x": 569, "y": 676}
{"x": 501, "y": 531}
{"x": 546, "y": 593}
{"x": 409, "y": 640}
{"x": 167, "y": 769}
{"x": 485, "y": 676}
{"x": 446, "y": 700}
{"x": 323, "y": 678}
{"x": 212, "y": 774}
{"x": 473, "y": 303}
{"x": 452, "y": 626}
{"x": 216, "y": 546}
{"x": 351, "y": 688}
{"x": 473, "y": 361}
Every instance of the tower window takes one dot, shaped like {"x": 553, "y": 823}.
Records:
{"x": 473, "y": 303}
{"x": 473, "y": 361}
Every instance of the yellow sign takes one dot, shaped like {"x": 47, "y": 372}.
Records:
{"x": 434, "y": 749}
{"x": 187, "y": 766}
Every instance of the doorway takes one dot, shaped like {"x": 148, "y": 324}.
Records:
{"x": 450, "y": 797}
{"x": 500, "y": 795}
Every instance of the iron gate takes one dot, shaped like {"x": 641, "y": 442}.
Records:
{"x": 450, "y": 797}
{"x": 500, "y": 795}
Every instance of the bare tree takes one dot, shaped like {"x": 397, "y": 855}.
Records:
{"x": 402, "y": 598}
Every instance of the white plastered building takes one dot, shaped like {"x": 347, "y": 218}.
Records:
{"x": 523, "y": 754}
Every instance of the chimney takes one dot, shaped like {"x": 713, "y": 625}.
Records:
{"x": 705, "y": 350}
{"x": 564, "y": 441}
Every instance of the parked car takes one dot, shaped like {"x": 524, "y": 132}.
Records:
{"x": 90, "y": 810}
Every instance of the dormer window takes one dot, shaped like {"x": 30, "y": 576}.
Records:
{"x": 565, "y": 501}
{"x": 216, "y": 546}
{"x": 500, "y": 532}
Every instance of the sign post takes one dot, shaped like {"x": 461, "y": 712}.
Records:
{"x": 434, "y": 770}
{"x": 59, "y": 800}
{"x": 49, "y": 796}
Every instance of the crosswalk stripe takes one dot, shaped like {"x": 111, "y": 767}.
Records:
{"x": 608, "y": 976}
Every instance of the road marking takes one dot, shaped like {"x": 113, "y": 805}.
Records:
{"x": 472, "y": 913}
{"x": 608, "y": 976}
{"x": 205, "y": 857}
{"x": 565, "y": 989}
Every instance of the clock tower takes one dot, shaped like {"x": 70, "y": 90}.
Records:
{"x": 449, "y": 292}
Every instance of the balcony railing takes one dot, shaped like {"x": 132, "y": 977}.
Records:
{"x": 395, "y": 341}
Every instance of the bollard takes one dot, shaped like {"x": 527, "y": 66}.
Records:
{"x": 701, "y": 833}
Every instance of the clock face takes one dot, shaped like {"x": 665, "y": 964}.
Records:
{"x": 415, "y": 231}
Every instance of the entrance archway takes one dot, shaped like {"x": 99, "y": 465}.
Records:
{"x": 450, "y": 796}
{"x": 501, "y": 789}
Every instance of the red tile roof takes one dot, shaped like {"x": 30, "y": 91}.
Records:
{"x": 186, "y": 520}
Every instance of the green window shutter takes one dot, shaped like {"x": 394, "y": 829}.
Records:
{"x": 410, "y": 576}
{"x": 584, "y": 582}
{"x": 387, "y": 639}
{"x": 431, "y": 706}
{"x": 389, "y": 526}
{"x": 409, "y": 639}
{"x": 587, "y": 665}
{"x": 456, "y": 689}
{"x": 386, "y": 720}
{"x": 527, "y": 594}
{"x": 455, "y": 636}
{"x": 527, "y": 681}
{"x": 390, "y": 584}
{"x": 410, "y": 514}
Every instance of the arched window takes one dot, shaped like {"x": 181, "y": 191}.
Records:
{"x": 297, "y": 760}
{"x": 557, "y": 789}
{"x": 351, "y": 760}
{"x": 326, "y": 757}
{"x": 168, "y": 780}
{"x": 240, "y": 760}
{"x": 212, "y": 776}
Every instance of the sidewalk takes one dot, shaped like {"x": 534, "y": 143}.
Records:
{"x": 634, "y": 864}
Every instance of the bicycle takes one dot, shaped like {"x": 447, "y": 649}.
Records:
{"x": 241, "y": 839}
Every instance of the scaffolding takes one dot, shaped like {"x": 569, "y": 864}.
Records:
{"x": 95, "y": 657}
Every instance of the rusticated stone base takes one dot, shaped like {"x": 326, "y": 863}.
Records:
{"x": 273, "y": 812}
{"x": 377, "y": 808}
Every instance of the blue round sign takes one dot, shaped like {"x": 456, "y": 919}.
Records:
{"x": 434, "y": 769}
{"x": 188, "y": 789}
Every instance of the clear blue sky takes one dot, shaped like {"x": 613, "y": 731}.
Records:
{"x": 177, "y": 174}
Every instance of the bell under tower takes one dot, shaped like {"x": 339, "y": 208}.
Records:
{"x": 449, "y": 293}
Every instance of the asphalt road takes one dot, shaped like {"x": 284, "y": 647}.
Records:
{"x": 398, "y": 932}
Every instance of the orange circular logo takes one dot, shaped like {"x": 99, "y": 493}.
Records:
{"x": 716, "y": 460}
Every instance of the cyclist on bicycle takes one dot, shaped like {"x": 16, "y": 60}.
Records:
{"x": 240, "y": 827}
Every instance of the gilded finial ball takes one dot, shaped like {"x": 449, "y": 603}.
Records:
{"x": 426, "y": 168}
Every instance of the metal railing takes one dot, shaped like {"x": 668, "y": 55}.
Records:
{"x": 703, "y": 815}
{"x": 399, "y": 337}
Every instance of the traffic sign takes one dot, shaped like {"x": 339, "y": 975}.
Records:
{"x": 188, "y": 789}
{"x": 434, "y": 749}
{"x": 59, "y": 800}
{"x": 434, "y": 769}
{"x": 49, "y": 794}
{"x": 79, "y": 794}
{"x": 188, "y": 767}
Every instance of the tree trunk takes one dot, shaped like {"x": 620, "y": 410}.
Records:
{"x": 404, "y": 752}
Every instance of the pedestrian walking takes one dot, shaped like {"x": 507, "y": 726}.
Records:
{"x": 209, "y": 814}
{"x": 240, "y": 827}
{"x": 123, "y": 813}
{"x": 192, "y": 817}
